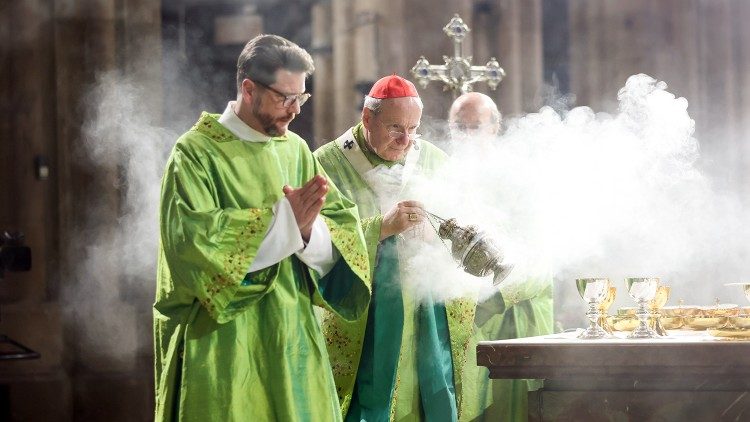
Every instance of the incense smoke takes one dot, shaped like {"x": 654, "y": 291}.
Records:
{"x": 580, "y": 194}
{"x": 115, "y": 267}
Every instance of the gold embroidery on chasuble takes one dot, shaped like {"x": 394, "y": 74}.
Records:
{"x": 343, "y": 344}
{"x": 237, "y": 262}
{"x": 210, "y": 127}
{"x": 346, "y": 241}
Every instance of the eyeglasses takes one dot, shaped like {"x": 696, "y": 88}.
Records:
{"x": 396, "y": 132}
{"x": 287, "y": 99}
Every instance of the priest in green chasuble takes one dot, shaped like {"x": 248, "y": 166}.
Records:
{"x": 253, "y": 235}
{"x": 518, "y": 309}
{"x": 406, "y": 359}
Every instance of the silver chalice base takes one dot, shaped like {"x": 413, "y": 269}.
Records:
{"x": 593, "y": 291}
{"x": 643, "y": 291}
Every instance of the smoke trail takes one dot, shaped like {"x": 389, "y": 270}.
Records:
{"x": 581, "y": 193}
{"x": 117, "y": 264}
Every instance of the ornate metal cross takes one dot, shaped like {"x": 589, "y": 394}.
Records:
{"x": 457, "y": 73}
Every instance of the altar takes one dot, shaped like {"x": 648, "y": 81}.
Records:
{"x": 688, "y": 376}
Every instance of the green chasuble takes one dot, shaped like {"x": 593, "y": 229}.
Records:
{"x": 233, "y": 346}
{"x": 404, "y": 360}
{"x": 528, "y": 312}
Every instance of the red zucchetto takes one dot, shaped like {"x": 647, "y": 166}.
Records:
{"x": 393, "y": 86}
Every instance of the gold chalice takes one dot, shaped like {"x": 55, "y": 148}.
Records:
{"x": 662, "y": 294}
{"x": 594, "y": 291}
{"x": 643, "y": 291}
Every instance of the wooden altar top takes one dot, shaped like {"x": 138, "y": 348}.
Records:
{"x": 690, "y": 355}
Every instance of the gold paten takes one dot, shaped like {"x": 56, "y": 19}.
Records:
{"x": 672, "y": 317}
{"x": 623, "y": 322}
{"x": 738, "y": 318}
{"x": 720, "y": 310}
{"x": 627, "y": 311}
{"x": 704, "y": 323}
{"x": 741, "y": 322}
{"x": 730, "y": 333}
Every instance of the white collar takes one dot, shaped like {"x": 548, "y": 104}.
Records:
{"x": 240, "y": 129}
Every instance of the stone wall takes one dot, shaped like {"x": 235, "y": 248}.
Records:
{"x": 52, "y": 53}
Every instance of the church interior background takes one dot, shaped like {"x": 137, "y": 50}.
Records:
{"x": 93, "y": 90}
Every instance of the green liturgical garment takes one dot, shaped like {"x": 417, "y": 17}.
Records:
{"x": 376, "y": 378}
{"x": 405, "y": 360}
{"x": 435, "y": 364}
{"x": 233, "y": 346}
{"x": 528, "y": 312}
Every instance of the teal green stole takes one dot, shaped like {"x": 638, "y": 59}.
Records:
{"x": 376, "y": 376}
{"x": 435, "y": 364}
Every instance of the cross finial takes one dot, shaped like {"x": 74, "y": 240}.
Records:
{"x": 457, "y": 73}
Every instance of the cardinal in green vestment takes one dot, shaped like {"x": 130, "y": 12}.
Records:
{"x": 253, "y": 234}
{"x": 405, "y": 360}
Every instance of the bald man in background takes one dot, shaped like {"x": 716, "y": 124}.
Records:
{"x": 473, "y": 115}
{"x": 515, "y": 310}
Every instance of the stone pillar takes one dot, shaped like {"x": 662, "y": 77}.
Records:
{"x": 694, "y": 46}
{"x": 27, "y": 108}
{"x": 518, "y": 40}
{"x": 323, "y": 80}
{"x": 718, "y": 122}
{"x": 365, "y": 30}
{"x": 394, "y": 34}
{"x": 743, "y": 94}
{"x": 343, "y": 66}
{"x": 611, "y": 41}
{"x": 29, "y": 313}
{"x": 107, "y": 321}
{"x": 141, "y": 53}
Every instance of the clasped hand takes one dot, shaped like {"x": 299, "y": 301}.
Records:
{"x": 307, "y": 202}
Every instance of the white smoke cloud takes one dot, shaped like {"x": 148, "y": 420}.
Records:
{"x": 580, "y": 194}
{"x": 117, "y": 265}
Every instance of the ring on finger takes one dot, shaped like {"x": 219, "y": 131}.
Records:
{"x": 413, "y": 216}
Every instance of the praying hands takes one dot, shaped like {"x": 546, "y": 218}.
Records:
{"x": 307, "y": 202}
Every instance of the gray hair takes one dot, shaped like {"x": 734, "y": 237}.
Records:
{"x": 375, "y": 104}
{"x": 265, "y": 54}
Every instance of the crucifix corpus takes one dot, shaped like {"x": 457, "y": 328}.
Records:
{"x": 457, "y": 73}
